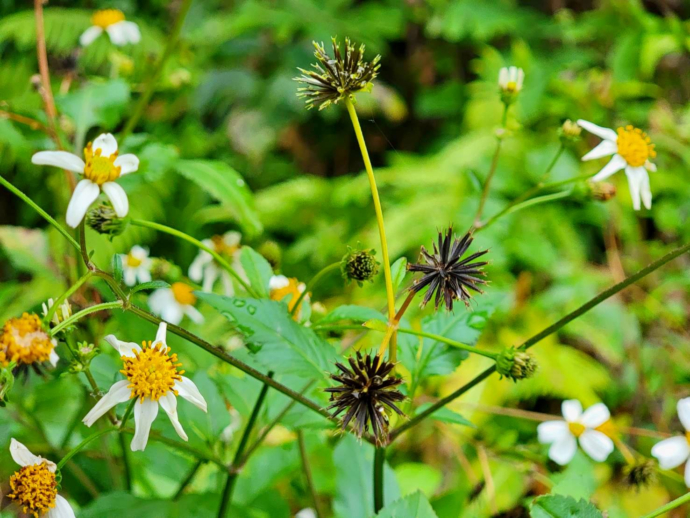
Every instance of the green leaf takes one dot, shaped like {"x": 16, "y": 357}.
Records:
{"x": 376, "y": 325}
{"x": 280, "y": 343}
{"x": 227, "y": 186}
{"x": 557, "y": 506}
{"x": 117, "y": 268}
{"x": 412, "y": 506}
{"x": 257, "y": 269}
{"x": 153, "y": 285}
{"x": 398, "y": 271}
{"x": 446, "y": 415}
{"x": 353, "y": 313}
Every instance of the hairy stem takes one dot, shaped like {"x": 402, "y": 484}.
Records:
{"x": 86, "y": 311}
{"x": 492, "y": 169}
{"x": 82, "y": 444}
{"x": 448, "y": 341}
{"x": 313, "y": 282}
{"x": 379, "y": 458}
{"x": 65, "y": 295}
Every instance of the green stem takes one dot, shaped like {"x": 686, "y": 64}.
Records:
{"x": 188, "y": 479}
{"x": 172, "y": 39}
{"x": 181, "y": 446}
{"x": 313, "y": 282}
{"x": 308, "y": 474}
{"x": 83, "y": 443}
{"x": 114, "y": 286}
{"x": 86, "y": 311}
{"x": 43, "y": 213}
{"x": 126, "y": 468}
{"x": 448, "y": 341}
{"x": 65, "y": 295}
{"x": 225, "y": 496}
{"x": 82, "y": 245}
{"x": 186, "y": 237}
{"x": 128, "y": 413}
{"x": 390, "y": 294}
{"x": 671, "y": 505}
{"x": 543, "y": 334}
{"x": 379, "y": 457}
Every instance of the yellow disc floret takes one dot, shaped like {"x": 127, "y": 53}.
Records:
{"x": 293, "y": 290}
{"x": 183, "y": 293}
{"x": 132, "y": 261}
{"x": 576, "y": 429}
{"x": 152, "y": 372}
{"x": 220, "y": 246}
{"x": 34, "y": 489}
{"x": 634, "y": 146}
{"x": 23, "y": 340}
{"x": 100, "y": 169}
{"x": 107, "y": 17}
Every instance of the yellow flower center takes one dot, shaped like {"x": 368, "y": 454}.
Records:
{"x": 607, "y": 428}
{"x": 634, "y": 146}
{"x": 183, "y": 293}
{"x": 511, "y": 87}
{"x": 133, "y": 262}
{"x": 23, "y": 340}
{"x": 107, "y": 17}
{"x": 34, "y": 488}
{"x": 687, "y": 437}
{"x": 221, "y": 247}
{"x": 292, "y": 290}
{"x": 576, "y": 429}
{"x": 152, "y": 372}
{"x": 100, "y": 169}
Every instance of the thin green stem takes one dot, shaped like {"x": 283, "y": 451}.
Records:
{"x": 379, "y": 458}
{"x": 671, "y": 505}
{"x": 448, "y": 341}
{"x": 543, "y": 334}
{"x": 188, "y": 479}
{"x": 82, "y": 245}
{"x": 86, "y": 311}
{"x": 65, "y": 295}
{"x": 308, "y": 474}
{"x": 181, "y": 446}
{"x": 313, "y": 282}
{"x": 43, "y": 213}
{"x": 128, "y": 413}
{"x": 83, "y": 443}
{"x": 172, "y": 39}
{"x": 186, "y": 237}
{"x": 114, "y": 286}
{"x": 126, "y": 468}
{"x": 390, "y": 294}
{"x": 225, "y": 496}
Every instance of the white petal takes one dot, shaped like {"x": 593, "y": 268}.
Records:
{"x": 160, "y": 334}
{"x": 649, "y": 166}
{"x": 118, "y": 197}
{"x": 173, "y": 313}
{"x": 683, "y": 408}
{"x": 138, "y": 251}
{"x": 83, "y": 196}
{"x": 160, "y": 299}
{"x": 687, "y": 474}
{"x": 615, "y": 164}
{"x": 106, "y": 143}
{"x": 520, "y": 79}
{"x": 89, "y": 35}
{"x": 552, "y": 431}
{"x": 596, "y": 415}
{"x": 118, "y": 393}
{"x": 169, "y": 404}
{"x": 645, "y": 190}
{"x": 123, "y": 348}
{"x": 118, "y": 33}
{"x": 143, "y": 274}
{"x": 144, "y": 415}
{"x": 671, "y": 452}
{"x": 194, "y": 314}
{"x": 596, "y": 445}
{"x": 132, "y": 31}
{"x": 228, "y": 288}
{"x": 128, "y": 164}
{"x": 571, "y": 409}
{"x": 130, "y": 276}
{"x": 22, "y": 456}
{"x": 605, "y": 148}
{"x": 188, "y": 390}
{"x": 278, "y": 281}
{"x": 61, "y": 159}
{"x": 503, "y": 77}
{"x": 211, "y": 273}
{"x": 196, "y": 269}
{"x": 636, "y": 178}
{"x": 563, "y": 451}
{"x": 53, "y": 358}
{"x": 62, "y": 509}
{"x": 599, "y": 131}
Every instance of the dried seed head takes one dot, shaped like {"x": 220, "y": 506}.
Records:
{"x": 640, "y": 475}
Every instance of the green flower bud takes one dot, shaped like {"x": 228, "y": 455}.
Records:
{"x": 601, "y": 191}
{"x": 272, "y": 253}
{"x": 104, "y": 220}
{"x": 569, "y": 132}
{"x": 359, "y": 265}
{"x": 516, "y": 364}
{"x": 6, "y": 382}
{"x": 165, "y": 270}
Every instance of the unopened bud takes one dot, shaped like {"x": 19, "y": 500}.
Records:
{"x": 569, "y": 131}
{"x": 62, "y": 313}
{"x": 510, "y": 81}
{"x": 359, "y": 265}
{"x": 601, "y": 191}
{"x": 165, "y": 270}
{"x": 272, "y": 253}
{"x": 516, "y": 364}
{"x": 104, "y": 220}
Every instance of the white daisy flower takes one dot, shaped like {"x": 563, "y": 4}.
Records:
{"x": 153, "y": 377}
{"x": 34, "y": 488}
{"x": 587, "y": 427}
{"x": 63, "y": 312}
{"x": 510, "y": 80}
{"x": 136, "y": 266}
{"x": 173, "y": 303}
{"x": 205, "y": 268}
{"x": 112, "y": 21}
{"x": 672, "y": 452}
{"x": 632, "y": 150}
{"x": 103, "y": 166}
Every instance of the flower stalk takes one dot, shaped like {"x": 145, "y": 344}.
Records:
{"x": 86, "y": 311}
{"x": 310, "y": 285}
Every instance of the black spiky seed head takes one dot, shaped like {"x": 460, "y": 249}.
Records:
{"x": 335, "y": 78}
{"x": 359, "y": 265}
{"x": 366, "y": 391}
{"x": 446, "y": 273}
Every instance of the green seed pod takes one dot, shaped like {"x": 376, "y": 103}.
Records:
{"x": 516, "y": 364}
{"x": 359, "y": 265}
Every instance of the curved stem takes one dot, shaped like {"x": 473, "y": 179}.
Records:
{"x": 307, "y": 473}
{"x": 313, "y": 282}
{"x": 543, "y": 334}
{"x": 671, "y": 505}
{"x": 379, "y": 458}
{"x": 87, "y": 311}
{"x": 83, "y": 443}
{"x": 43, "y": 213}
{"x": 186, "y": 237}
{"x": 448, "y": 341}
{"x": 188, "y": 479}
{"x": 390, "y": 294}
{"x": 65, "y": 295}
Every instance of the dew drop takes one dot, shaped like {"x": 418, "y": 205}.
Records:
{"x": 239, "y": 303}
{"x": 251, "y": 309}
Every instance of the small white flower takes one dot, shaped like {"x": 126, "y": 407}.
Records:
{"x": 510, "y": 80}
{"x": 205, "y": 268}
{"x": 173, "y": 303}
{"x": 672, "y": 452}
{"x": 136, "y": 266}
{"x": 112, "y": 21}
{"x": 308, "y": 512}
{"x": 631, "y": 149}
{"x": 61, "y": 313}
{"x": 36, "y": 488}
{"x": 139, "y": 365}
{"x": 103, "y": 166}
{"x": 577, "y": 425}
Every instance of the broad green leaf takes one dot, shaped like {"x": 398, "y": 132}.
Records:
{"x": 353, "y": 313}
{"x": 418, "y": 476}
{"x": 257, "y": 269}
{"x": 412, "y": 506}
{"x": 557, "y": 506}
{"x": 376, "y": 325}
{"x": 153, "y": 285}
{"x": 227, "y": 186}
{"x": 446, "y": 415}
{"x": 398, "y": 271}
{"x": 280, "y": 343}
